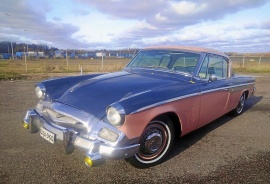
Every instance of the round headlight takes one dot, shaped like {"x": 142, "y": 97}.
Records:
{"x": 113, "y": 116}
{"x": 40, "y": 91}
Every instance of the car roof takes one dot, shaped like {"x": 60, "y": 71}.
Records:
{"x": 187, "y": 48}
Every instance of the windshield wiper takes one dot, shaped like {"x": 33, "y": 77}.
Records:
{"x": 159, "y": 67}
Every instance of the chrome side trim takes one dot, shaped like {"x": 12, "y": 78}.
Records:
{"x": 226, "y": 88}
{"x": 190, "y": 95}
{"x": 164, "y": 102}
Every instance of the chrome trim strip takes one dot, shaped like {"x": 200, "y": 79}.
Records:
{"x": 164, "y": 102}
{"x": 226, "y": 88}
{"x": 133, "y": 95}
{"x": 118, "y": 152}
{"x": 187, "y": 96}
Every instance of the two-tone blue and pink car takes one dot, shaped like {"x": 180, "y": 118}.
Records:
{"x": 136, "y": 114}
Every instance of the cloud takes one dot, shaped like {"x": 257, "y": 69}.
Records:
{"x": 131, "y": 23}
{"x": 80, "y": 11}
{"x": 158, "y": 20}
{"x": 176, "y": 14}
{"x": 266, "y": 24}
{"x": 26, "y": 15}
{"x": 127, "y": 9}
{"x": 57, "y": 19}
{"x": 187, "y": 8}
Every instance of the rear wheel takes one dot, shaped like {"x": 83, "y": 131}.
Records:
{"x": 155, "y": 144}
{"x": 240, "y": 106}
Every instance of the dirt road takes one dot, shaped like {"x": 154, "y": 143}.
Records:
{"x": 229, "y": 150}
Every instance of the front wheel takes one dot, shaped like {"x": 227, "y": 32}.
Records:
{"x": 240, "y": 106}
{"x": 155, "y": 144}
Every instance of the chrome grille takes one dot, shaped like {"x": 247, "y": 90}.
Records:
{"x": 65, "y": 121}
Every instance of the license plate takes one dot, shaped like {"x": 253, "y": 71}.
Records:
{"x": 47, "y": 135}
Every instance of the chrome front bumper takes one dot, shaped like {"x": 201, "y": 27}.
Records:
{"x": 95, "y": 151}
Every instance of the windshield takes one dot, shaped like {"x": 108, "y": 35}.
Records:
{"x": 178, "y": 61}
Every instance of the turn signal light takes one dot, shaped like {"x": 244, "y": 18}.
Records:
{"x": 88, "y": 161}
{"x": 25, "y": 125}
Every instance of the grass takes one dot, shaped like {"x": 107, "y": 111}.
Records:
{"x": 252, "y": 67}
{"x": 17, "y": 69}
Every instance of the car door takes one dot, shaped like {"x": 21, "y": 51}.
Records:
{"x": 214, "y": 100}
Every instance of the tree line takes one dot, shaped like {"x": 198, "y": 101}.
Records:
{"x": 5, "y": 47}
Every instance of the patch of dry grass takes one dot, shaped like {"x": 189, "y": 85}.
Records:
{"x": 61, "y": 65}
{"x": 252, "y": 67}
{"x": 9, "y": 68}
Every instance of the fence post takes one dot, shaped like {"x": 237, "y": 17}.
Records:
{"x": 244, "y": 62}
{"x": 102, "y": 64}
{"x": 67, "y": 58}
{"x": 25, "y": 61}
{"x": 260, "y": 60}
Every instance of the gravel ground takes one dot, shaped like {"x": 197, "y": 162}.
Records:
{"x": 228, "y": 150}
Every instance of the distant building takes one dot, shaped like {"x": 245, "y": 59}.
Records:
{"x": 72, "y": 55}
{"x": 41, "y": 55}
{"x": 32, "y": 54}
{"x": 59, "y": 54}
{"x": 18, "y": 55}
{"x": 100, "y": 54}
{"x": 7, "y": 56}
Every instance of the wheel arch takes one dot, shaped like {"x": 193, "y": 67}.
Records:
{"x": 246, "y": 93}
{"x": 175, "y": 121}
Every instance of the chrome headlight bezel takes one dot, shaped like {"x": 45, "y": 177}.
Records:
{"x": 40, "y": 91}
{"x": 116, "y": 114}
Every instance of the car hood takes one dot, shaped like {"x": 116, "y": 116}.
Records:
{"x": 95, "y": 95}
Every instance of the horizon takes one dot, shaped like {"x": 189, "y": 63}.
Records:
{"x": 43, "y": 47}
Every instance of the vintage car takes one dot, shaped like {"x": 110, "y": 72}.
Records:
{"x": 136, "y": 114}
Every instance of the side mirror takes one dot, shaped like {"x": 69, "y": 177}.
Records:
{"x": 212, "y": 78}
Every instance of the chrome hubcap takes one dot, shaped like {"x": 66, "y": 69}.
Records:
{"x": 153, "y": 142}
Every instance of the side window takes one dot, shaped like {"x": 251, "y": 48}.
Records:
{"x": 164, "y": 61}
{"x": 184, "y": 62}
{"x": 203, "y": 70}
{"x": 225, "y": 68}
{"x": 214, "y": 65}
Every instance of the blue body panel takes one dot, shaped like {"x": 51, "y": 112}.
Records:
{"x": 56, "y": 87}
{"x": 96, "y": 94}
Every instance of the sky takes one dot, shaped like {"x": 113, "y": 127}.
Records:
{"x": 225, "y": 25}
